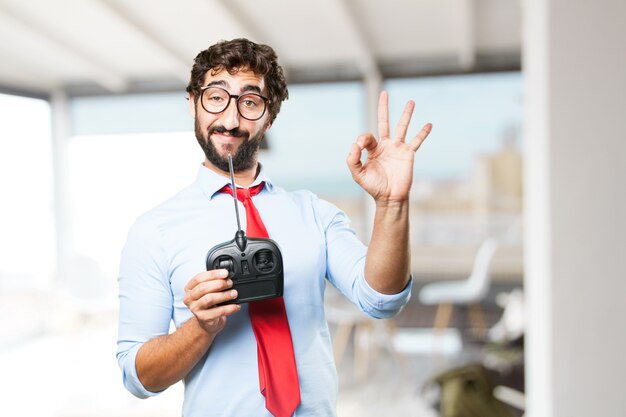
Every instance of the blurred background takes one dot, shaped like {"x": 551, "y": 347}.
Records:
{"x": 517, "y": 225}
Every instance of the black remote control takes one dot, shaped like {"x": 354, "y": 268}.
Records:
{"x": 255, "y": 264}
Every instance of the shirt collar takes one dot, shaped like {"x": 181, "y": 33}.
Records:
{"x": 210, "y": 182}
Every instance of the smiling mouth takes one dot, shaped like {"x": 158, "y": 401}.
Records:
{"x": 234, "y": 133}
{"x": 225, "y": 135}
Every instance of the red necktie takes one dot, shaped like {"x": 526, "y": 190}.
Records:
{"x": 278, "y": 376}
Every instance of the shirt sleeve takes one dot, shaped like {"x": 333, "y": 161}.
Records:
{"x": 145, "y": 299}
{"x": 345, "y": 266}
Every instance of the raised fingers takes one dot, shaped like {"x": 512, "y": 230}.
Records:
{"x": 383, "y": 115}
{"x": 403, "y": 123}
{"x": 421, "y": 136}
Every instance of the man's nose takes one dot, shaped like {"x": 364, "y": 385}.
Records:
{"x": 230, "y": 115}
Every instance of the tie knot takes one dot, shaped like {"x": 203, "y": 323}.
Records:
{"x": 244, "y": 193}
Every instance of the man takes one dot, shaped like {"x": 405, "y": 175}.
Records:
{"x": 235, "y": 93}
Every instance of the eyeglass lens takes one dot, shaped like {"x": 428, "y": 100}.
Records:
{"x": 251, "y": 106}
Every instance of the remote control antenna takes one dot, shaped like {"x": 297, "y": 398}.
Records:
{"x": 232, "y": 185}
{"x": 240, "y": 236}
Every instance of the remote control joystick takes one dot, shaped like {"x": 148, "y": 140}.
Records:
{"x": 264, "y": 261}
{"x": 225, "y": 262}
{"x": 255, "y": 264}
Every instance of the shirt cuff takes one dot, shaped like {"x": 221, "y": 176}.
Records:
{"x": 379, "y": 305}
{"x": 129, "y": 371}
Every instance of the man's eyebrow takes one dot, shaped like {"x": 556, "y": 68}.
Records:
{"x": 246, "y": 88}
{"x": 220, "y": 83}
{"x": 251, "y": 87}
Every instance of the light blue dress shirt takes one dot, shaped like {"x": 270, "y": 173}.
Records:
{"x": 167, "y": 246}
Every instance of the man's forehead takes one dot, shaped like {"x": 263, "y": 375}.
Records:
{"x": 239, "y": 79}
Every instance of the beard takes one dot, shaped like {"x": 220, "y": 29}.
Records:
{"x": 244, "y": 158}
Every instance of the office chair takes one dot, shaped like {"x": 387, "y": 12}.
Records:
{"x": 470, "y": 291}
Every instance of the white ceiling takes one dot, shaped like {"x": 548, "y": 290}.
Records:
{"x": 113, "y": 46}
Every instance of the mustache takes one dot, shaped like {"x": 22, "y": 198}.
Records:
{"x": 236, "y": 132}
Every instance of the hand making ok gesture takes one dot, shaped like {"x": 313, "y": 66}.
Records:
{"x": 387, "y": 173}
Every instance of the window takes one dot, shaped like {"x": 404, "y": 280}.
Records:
{"x": 27, "y": 241}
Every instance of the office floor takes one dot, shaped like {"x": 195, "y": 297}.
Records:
{"x": 395, "y": 381}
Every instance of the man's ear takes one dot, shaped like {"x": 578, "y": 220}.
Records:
{"x": 192, "y": 105}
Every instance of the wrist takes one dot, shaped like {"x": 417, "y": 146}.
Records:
{"x": 391, "y": 203}
{"x": 200, "y": 332}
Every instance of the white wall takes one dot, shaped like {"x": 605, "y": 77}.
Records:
{"x": 575, "y": 74}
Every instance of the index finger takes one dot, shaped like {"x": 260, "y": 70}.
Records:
{"x": 206, "y": 276}
{"x": 383, "y": 115}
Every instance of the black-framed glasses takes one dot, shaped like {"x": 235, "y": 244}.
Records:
{"x": 251, "y": 106}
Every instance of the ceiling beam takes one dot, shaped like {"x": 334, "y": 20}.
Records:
{"x": 178, "y": 63}
{"x": 365, "y": 59}
{"x": 467, "y": 34}
{"x": 98, "y": 72}
{"x": 409, "y": 68}
{"x": 20, "y": 73}
{"x": 366, "y": 63}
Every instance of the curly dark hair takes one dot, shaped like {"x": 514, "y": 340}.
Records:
{"x": 238, "y": 54}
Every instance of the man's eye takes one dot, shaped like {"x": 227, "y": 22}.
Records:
{"x": 216, "y": 99}
{"x": 250, "y": 102}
